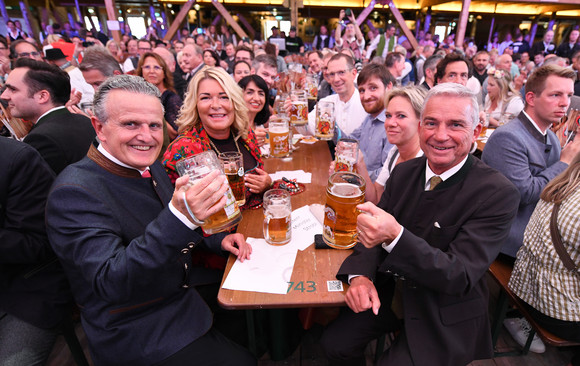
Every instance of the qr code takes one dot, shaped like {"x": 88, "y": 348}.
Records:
{"x": 334, "y": 286}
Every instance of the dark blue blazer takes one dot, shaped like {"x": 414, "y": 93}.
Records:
{"x": 33, "y": 286}
{"x": 123, "y": 251}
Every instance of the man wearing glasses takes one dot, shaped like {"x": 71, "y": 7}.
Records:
{"x": 348, "y": 110}
{"x": 25, "y": 49}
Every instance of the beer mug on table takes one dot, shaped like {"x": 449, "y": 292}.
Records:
{"x": 311, "y": 86}
{"x": 279, "y": 132}
{"x": 299, "y": 109}
{"x": 197, "y": 167}
{"x": 233, "y": 166}
{"x": 324, "y": 120}
{"x": 345, "y": 190}
{"x": 277, "y": 217}
{"x": 346, "y": 155}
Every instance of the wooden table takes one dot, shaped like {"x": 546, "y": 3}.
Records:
{"x": 313, "y": 267}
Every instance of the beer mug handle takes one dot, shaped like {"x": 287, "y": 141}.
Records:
{"x": 266, "y": 226}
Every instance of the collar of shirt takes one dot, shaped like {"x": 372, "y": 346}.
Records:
{"x": 108, "y": 155}
{"x": 445, "y": 175}
{"x": 535, "y": 125}
{"x": 379, "y": 118}
{"x": 49, "y": 111}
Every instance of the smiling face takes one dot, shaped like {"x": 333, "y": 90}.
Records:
{"x": 341, "y": 78}
{"x": 446, "y": 133}
{"x": 153, "y": 72}
{"x": 315, "y": 62}
{"x": 215, "y": 108}
{"x": 254, "y": 97}
{"x": 551, "y": 104}
{"x": 133, "y": 132}
{"x": 372, "y": 95}
{"x": 401, "y": 122}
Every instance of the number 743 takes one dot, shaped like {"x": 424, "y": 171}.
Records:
{"x": 299, "y": 286}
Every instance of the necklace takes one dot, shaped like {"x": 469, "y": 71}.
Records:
{"x": 216, "y": 149}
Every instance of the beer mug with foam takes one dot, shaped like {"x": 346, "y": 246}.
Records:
{"x": 279, "y": 132}
{"x": 299, "y": 110}
{"x": 344, "y": 192}
{"x": 197, "y": 167}
{"x": 233, "y": 166}
{"x": 277, "y": 217}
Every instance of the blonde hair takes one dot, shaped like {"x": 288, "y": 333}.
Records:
{"x": 189, "y": 116}
{"x": 506, "y": 90}
{"x": 414, "y": 94}
{"x": 565, "y": 184}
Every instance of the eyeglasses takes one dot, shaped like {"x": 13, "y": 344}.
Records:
{"x": 340, "y": 74}
{"x": 149, "y": 67}
{"x": 28, "y": 54}
{"x": 144, "y": 49}
{"x": 3, "y": 48}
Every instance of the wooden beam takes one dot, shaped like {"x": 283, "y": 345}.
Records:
{"x": 28, "y": 19}
{"x": 185, "y": 8}
{"x": 294, "y": 13}
{"x": 403, "y": 25}
{"x": 216, "y": 20}
{"x": 463, "y": 18}
{"x": 247, "y": 25}
{"x": 3, "y": 10}
{"x": 552, "y": 21}
{"x": 490, "y": 35}
{"x": 533, "y": 30}
{"x": 112, "y": 15}
{"x": 79, "y": 12}
{"x": 427, "y": 25}
{"x": 365, "y": 13}
{"x": 224, "y": 13}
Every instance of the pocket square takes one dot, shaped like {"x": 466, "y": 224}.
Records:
{"x": 437, "y": 225}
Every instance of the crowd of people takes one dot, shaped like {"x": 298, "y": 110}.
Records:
{"x": 94, "y": 213}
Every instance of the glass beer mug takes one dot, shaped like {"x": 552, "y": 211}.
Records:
{"x": 344, "y": 192}
{"x": 324, "y": 120}
{"x": 299, "y": 109}
{"x": 311, "y": 86}
{"x": 346, "y": 155}
{"x": 233, "y": 166}
{"x": 277, "y": 217}
{"x": 279, "y": 132}
{"x": 197, "y": 167}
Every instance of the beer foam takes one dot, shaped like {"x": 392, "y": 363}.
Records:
{"x": 345, "y": 190}
{"x": 278, "y": 211}
{"x": 278, "y": 129}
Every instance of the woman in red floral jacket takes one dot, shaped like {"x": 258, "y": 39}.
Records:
{"x": 214, "y": 116}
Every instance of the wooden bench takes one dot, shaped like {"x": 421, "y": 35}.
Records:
{"x": 501, "y": 273}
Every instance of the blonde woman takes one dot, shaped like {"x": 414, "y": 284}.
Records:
{"x": 502, "y": 99}
{"x": 403, "y": 111}
{"x": 214, "y": 117}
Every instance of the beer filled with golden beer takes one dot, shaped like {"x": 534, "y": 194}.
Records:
{"x": 344, "y": 192}
{"x": 197, "y": 167}
{"x": 299, "y": 110}
{"x": 233, "y": 166}
{"x": 279, "y": 132}
{"x": 277, "y": 217}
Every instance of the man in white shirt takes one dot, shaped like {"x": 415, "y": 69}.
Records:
{"x": 348, "y": 110}
{"x": 437, "y": 228}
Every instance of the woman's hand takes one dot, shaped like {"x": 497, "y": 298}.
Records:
{"x": 258, "y": 182}
{"x": 237, "y": 245}
{"x": 261, "y": 134}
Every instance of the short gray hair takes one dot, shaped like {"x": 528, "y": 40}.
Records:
{"x": 129, "y": 83}
{"x": 457, "y": 91}
{"x": 99, "y": 58}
